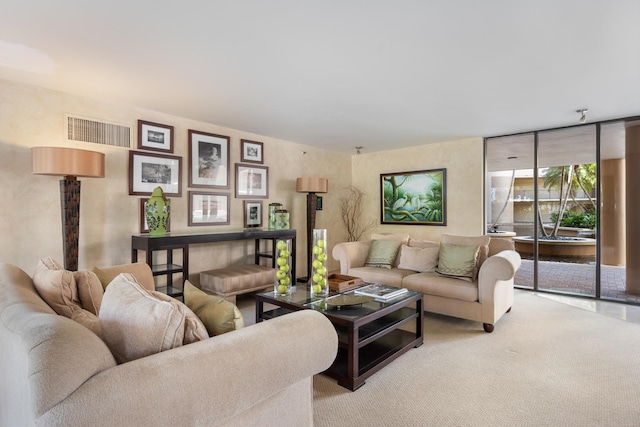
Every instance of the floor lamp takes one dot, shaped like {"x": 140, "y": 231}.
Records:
{"x": 311, "y": 186}
{"x": 70, "y": 163}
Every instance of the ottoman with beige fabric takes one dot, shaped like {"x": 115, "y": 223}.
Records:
{"x": 237, "y": 279}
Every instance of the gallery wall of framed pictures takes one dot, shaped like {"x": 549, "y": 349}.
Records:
{"x": 154, "y": 164}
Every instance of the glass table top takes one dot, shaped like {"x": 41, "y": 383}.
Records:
{"x": 347, "y": 304}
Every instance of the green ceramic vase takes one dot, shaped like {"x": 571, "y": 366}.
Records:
{"x": 157, "y": 212}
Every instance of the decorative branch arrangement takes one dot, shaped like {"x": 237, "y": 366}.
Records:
{"x": 351, "y": 210}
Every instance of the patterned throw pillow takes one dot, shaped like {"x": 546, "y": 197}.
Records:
{"x": 458, "y": 261}
{"x": 382, "y": 253}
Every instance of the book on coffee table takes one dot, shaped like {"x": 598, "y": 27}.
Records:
{"x": 380, "y": 292}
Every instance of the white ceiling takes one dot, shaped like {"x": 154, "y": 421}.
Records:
{"x": 338, "y": 74}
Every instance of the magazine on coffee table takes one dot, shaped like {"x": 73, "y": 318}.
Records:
{"x": 380, "y": 292}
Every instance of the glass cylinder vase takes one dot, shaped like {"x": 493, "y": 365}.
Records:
{"x": 319, "y": 281}
{"x": 283, "y": 284}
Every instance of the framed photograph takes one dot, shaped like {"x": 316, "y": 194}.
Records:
{"x": 208, "y": 208}
{"x": 144, "y": 227}
{"x": 251, "y": 151}
{"x": 252, "y": 213}
{"x": 410, "y": 198}
{"x": 208, "y": 160}
{"x": 148, "y": 171}
{"x": 252, "y": 181}
{"x": 154, "y": 136}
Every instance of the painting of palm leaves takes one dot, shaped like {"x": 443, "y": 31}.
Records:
{"x": 414, "y": 197}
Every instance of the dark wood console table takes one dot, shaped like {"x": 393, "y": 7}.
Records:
{"x": 176, "y": 241}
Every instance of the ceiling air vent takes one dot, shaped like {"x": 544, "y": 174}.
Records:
{"x": 98, "y": 131}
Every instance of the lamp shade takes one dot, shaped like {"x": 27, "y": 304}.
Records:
{"x": 312, "y": 185}
{"x": 67, "y": 162}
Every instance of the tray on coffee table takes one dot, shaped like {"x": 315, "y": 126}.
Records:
{"x": 343, "y": 283}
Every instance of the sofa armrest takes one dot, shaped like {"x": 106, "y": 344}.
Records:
{"x": 208, "y": 382}
{"x": 500, "y": 267}
{"x": 350, "y": 255}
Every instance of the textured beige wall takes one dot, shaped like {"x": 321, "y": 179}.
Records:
{"x": 30, "y": 208}
{"x": 464, "y": 190}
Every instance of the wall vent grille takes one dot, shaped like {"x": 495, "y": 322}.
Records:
{"x": 98, "y": 131}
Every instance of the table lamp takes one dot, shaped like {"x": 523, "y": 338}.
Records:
{"x": 70, "y": 163}
{"x": 311, "y": 186}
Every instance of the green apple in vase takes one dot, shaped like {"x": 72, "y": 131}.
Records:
{"x": 319, "y": 268}
{"x": 283, "y": 280}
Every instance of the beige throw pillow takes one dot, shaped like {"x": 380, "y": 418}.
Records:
{"x": 136, "y": 322}
{"x": 90, "y": 291}
{"x": 89, "y": 320}
{"x": 56, "y": 286}
{"x": 218, "y": 315}
{"x": 382, "y": 253}
{"x": 458, "y": 261}
{"x": 422, "y": 260}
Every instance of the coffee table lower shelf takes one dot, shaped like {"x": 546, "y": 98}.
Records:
{"x": 369, "y": 336}
{"x": 371, "y": 358}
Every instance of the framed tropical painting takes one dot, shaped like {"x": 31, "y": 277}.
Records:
{"x": 413, "y": 198}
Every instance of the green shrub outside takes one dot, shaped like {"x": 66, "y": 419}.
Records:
{"x": 575, "y": 219}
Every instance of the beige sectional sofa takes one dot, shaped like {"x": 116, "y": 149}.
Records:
{"x": 484, "y": 297}
{"x": 55, "y": 371}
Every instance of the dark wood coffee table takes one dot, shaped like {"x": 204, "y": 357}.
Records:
{"x": 370, "y": 335}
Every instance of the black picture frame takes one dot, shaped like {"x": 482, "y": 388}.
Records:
{"x": 208, "y": 160}
{"x": 252, "y": 213}
{"x": 155, "y": 136}
{"x": 251, "y": 151}
{"x": 207, "y": 208}
{"x": 149, "y": 170}
{"x": 414, "y": 198}
{"x": 252, "y": 181}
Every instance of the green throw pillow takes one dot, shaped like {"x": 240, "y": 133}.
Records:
{"x": 458, "y": 261}
{"x": 382, "y": 253}
{"x": 218, "y": 315}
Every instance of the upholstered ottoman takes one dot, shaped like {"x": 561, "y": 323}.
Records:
{"x": 237, "y": 279}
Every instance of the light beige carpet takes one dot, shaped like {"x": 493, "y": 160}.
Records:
{"x": 546, "y": 364}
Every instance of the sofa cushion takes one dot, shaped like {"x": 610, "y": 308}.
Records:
{"x": 419, "y": 259}
{"x": 140, "y": 270}
{"x": 90, "y": 291}
{"x": 458, "y": 261}
{"x": 217, "y": 314}
{"x": 382, "y": 253}
{"x": 56, "y": 286}
{"x": 136, "y": 322}
{"x": 418, "y": 243}
{"x": 447, "y": 287}
{"x": 391, "y": 276}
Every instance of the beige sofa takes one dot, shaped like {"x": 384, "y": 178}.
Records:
{"x": 484, "y": 299}
{"x": 54, "y": 371}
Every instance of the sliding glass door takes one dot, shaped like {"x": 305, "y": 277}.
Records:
{"x": 566, "y": 210}
{"x": 560, "y": 195}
